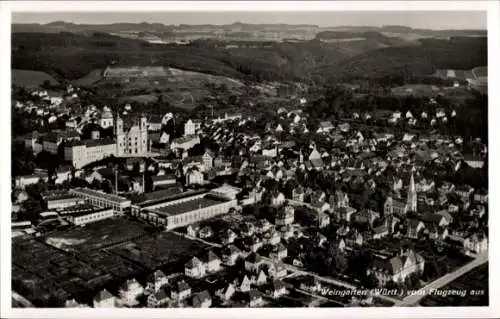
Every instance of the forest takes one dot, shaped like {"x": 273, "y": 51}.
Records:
{"x": 71, "y": 56}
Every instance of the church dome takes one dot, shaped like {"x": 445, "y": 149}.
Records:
{"x": 106, "y": 114}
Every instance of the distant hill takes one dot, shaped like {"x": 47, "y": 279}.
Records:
{"x": 30, "y": 78}
{"x": 425, "y": 59}
{"x": 71, "y": 56}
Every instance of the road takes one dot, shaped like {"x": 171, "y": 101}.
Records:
{"x": 443, "y": 281}
{"x": 408, "y": 301}
{"x": 23, "y": 301}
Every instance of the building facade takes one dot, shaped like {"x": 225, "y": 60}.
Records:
{"x": 133, "y": 140}
{"x": 90, "y": 217}
{"x": 81, "y": 153}
{"x": 189, "y": 210}
{"x": 101, "y": 199}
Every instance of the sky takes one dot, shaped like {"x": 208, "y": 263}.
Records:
{"x": 414, "y": 19}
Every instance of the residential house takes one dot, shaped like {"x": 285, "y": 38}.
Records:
{"x": 366, "y": 216}
{"x": 262, "y": 226}
{"x": 254, "y": 298}
{"x": 180, "y": 291}
{"x": 323, "y": 220}
{"x": 345, "y": 213}
{"x": 157, "y": 280}
{"x": 254, "y": 262}
{"x": 285, "y": 216}
{"x": 353, "y": 239}
{"x": 315, "y": 160}
{"x": 228, "y": 237}
{"x": 247, "y": 229}
{"x": 325, "y": 127}
{"x": 277, "y": 289}
{"x": 104, "y": 299}
{"x": 195, "y": 268}
{"x": 230, "y": 255}
{"x": 277, "y": 199}
{"x": 243, "y": 284}
{"x": 208, "y": 159}
{"x": 477, "y": 211}
{"x": 212, "y": 262}
{"x": 193, "y": 230}
{"x": 380, "y": 231}
{"x": 397, "y": 268}
{"x": 159, "y": 297}
{"x": 226, "y": 293}
{"x": 414, "y": 228}
{"x": 476, "y": 243}
{"x": 272, "y": 237}
{"x": 436, "y": 219}
{"x": 464, "y": 191}
{"x": 201, "y": 299}
{"x": 298, "y": 194}
{"x": 276, "y": 269}
{"x": 436, "y": 232}
{"x": 338, "y": 199}
{"x": 206, "y": 232}
{"x": 261, "y": 279}
{"x": 194, "y": 177}
{"x": 481, "y": 196}
{"x": 191, "y": 127}
{"x": 286, "y": 231}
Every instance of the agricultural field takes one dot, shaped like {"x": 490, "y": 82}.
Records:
{"x": 90, "y": 79}
{"x": 30, "y": 78}
{"x": 40, "y": 270}
{"x": 159, "y": 250}
{"x": 97, "y": 235}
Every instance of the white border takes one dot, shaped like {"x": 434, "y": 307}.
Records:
{"x": 95, "y": 6}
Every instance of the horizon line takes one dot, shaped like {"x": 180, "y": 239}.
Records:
{"x": 248, "y": 23}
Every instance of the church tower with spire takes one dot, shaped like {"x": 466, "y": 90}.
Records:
{"x": 120, "y": 136}
{"x": 411, "y": 198}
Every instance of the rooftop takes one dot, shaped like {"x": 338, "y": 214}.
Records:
{"x": 196, "y": 203}
{"x": 101, "y": 195}
{"x": 87, "y": 212}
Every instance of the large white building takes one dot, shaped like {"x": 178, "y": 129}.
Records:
{"x": 189, "y": 210}
{"x": 132, "y": 140}
{"x": 62, "y": 201}
{"x": 191, "y": 126}
{"x": 101, "y": 199}
{"x": 81, "y": 153}
{"x": 83, "y": 218}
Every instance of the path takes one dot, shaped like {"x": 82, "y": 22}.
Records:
{"x": 443, "y": 281}
{"x": 23, "y": 301}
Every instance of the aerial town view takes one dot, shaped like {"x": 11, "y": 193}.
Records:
{"x": 238, "y": 161}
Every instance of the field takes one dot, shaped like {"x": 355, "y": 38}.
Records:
{"x": 143, "y": 99}
{"x": 40, "y": 270}
{"x": 90, "y": 79}
{"x": 476, "y": 280}
{"x": 179, "y": 88}
{"x": 30, "y": 78}
{"x": 88, "y": 262}
{"x": 97, "y": 235}
{"x": 161, "y": 249}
